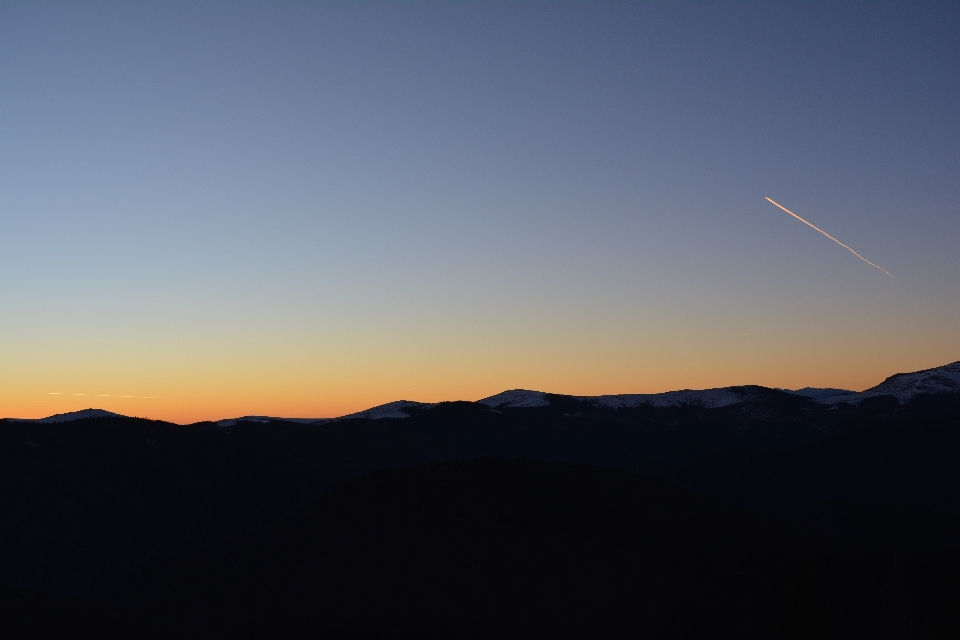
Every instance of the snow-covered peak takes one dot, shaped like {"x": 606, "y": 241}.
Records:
{"x": 516, "y": 398}
{"x": 389, "y": 410}
{"x": 904, "y": 386}
{"x": 706, "y": 398}
{"x": 72, "y": 415}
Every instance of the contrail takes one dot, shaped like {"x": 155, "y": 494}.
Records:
{"x": 830, "y": 236}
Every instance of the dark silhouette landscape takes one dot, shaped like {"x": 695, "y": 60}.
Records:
{"x": 772, "y": 515}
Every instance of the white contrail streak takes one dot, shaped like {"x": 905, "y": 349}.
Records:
{"x": 829, "y": 236}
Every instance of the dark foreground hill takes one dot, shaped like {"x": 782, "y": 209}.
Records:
{"x": 504, "y": 548}
{"x": 77, "y": 496}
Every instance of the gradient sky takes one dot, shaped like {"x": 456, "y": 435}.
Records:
{"x": 306, "y": 209}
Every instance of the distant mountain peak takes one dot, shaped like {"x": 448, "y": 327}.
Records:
{"x": 817, "y": 393}
{"x": 516, "y": 399}
{"x": 706, "y": 398}
{"x": 396, "y": 409}
{"x": 72, "y": 415}
{"x": 904, "y": 386}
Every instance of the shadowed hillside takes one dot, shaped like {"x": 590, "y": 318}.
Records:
{"x": 75, "y": 496}
{"x": 510, "y": 547}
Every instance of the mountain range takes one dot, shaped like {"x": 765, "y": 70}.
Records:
{"x": 901, "y": 386}
{"x": 744, "y": 511}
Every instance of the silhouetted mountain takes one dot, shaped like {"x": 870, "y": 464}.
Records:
{"x": 902, "y": 386}
{"x": 876, "y": 476}
{"x": 71, "y": 416}
{"x": 906, "y": 386}
{"x": 76, "y": 495}
{"x": 817, "y": 393}
{"x": 516, "y": 399}
{"x": 886, "y": 456}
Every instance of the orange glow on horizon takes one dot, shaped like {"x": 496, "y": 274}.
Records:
{"x": 332, "y": 400}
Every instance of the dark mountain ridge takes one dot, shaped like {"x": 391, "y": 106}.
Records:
{"x": 76, "y": 495}
{"x": 901, "y": 386}
{"x": 872, "y": 483}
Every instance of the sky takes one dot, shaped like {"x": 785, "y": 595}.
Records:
{"x": 214, "y": 209}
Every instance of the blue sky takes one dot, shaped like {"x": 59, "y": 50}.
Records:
{"x": 308, "y": 208}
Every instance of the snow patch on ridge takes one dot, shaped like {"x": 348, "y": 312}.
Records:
{"x": 389, "y": 410}
{"x": 904, "y": 386}
{"x": 706, "y": 398}
{"x": 516, "y": 398}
